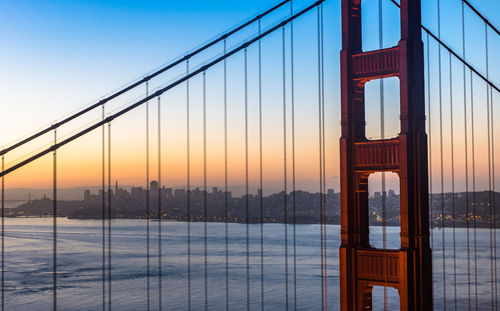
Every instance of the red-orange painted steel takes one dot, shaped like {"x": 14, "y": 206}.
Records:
{"x": 408, "y": 269}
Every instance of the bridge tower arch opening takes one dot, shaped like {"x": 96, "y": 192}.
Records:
{"x": 409, "y": 268}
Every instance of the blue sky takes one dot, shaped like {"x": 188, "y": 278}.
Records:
{"x": 58, "y": 56}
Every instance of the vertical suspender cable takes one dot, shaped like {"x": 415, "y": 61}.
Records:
{"x": 109, "y": 216}
{"x": 285, "y": 190}
{"x": 490, "y": 195}
{"x": 453, "y": 186}
{"x": 54, "y": 225}
{"x": 430, "y": 142}
{"x": 103, "y": 168}
{"x": 294, "y": 207}
{"x": 188, "y": 190}
{"x": 3, "y": 235}
{"x": 466, "y": 163}
{"x": 159, "y": 208}
{"x": 320, "y": 164}
{"x": 494, "y": 220}
{"x": 323, "y": 192}
{"x": 226, "y": 193}
{"x": 205, "y": 189}
{"x": 492, "y": 273}
{"x": 148, "y": 210}
{"x": 441, "y": 157}
{"x": 382, "y": 136}
{"x": 474, "y": 198}
{"x": 246, "y": 184}
{"x": 261, "y": 198}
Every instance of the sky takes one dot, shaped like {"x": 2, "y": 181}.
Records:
{"x": 59, "y": 56}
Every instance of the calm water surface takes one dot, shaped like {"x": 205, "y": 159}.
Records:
{"x": 28, "y": 253}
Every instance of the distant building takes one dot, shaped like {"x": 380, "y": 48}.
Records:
{"x": 137, "y": 192}
{"x": 153, "y": 186}
{"x": 168, "y": 192}
{"x": 86, "y": 195}
{"x": 392, "y": 193}
{"x": 330, "y": 192}
{"x": 180, "y": 192}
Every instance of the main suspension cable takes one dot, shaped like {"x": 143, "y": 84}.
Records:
{"x": 161, "y": 90}
{"x": 147, "y": 78}
{"x": 485, "y": 20}
{"x": 461, "y": 59}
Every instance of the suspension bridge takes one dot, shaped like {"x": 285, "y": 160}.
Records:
{"x": 254, "y": 114}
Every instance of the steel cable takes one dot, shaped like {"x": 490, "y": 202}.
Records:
{"x": 430, "y": 143}
{"x": 54, "y": 227}
{"x": 492, "y": 274}
{"x": 261, "y": 198}
{"x": 148, "y": 211}
{"x": 247, "y": 228}
{"x": 3, "y": 235}
{"x": 453, "y": 186}
{"x": 323, "y": 192}
{"x": 443, "y": 246}
{"x": 205, "y": 211}
{"x": 109, "y": 216}
{"x": 320, "y": 146}
{"x": 285, "y": 181}
{"x": 226, "y": 199}
{"x": 382, "y": 136}
{"x": 474, "y": 197}
{"x": 494, "y": 220}
{"x": 188, "y": 190}
{"x": 159, "y": 209}
{"x": 294, "y": 207}
{"x": 466, "y": 164}
{"x": 161, "y": 90}
{"x": 103, "y": 173}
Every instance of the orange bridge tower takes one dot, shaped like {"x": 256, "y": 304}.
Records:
{"x": 408, "y": 269}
